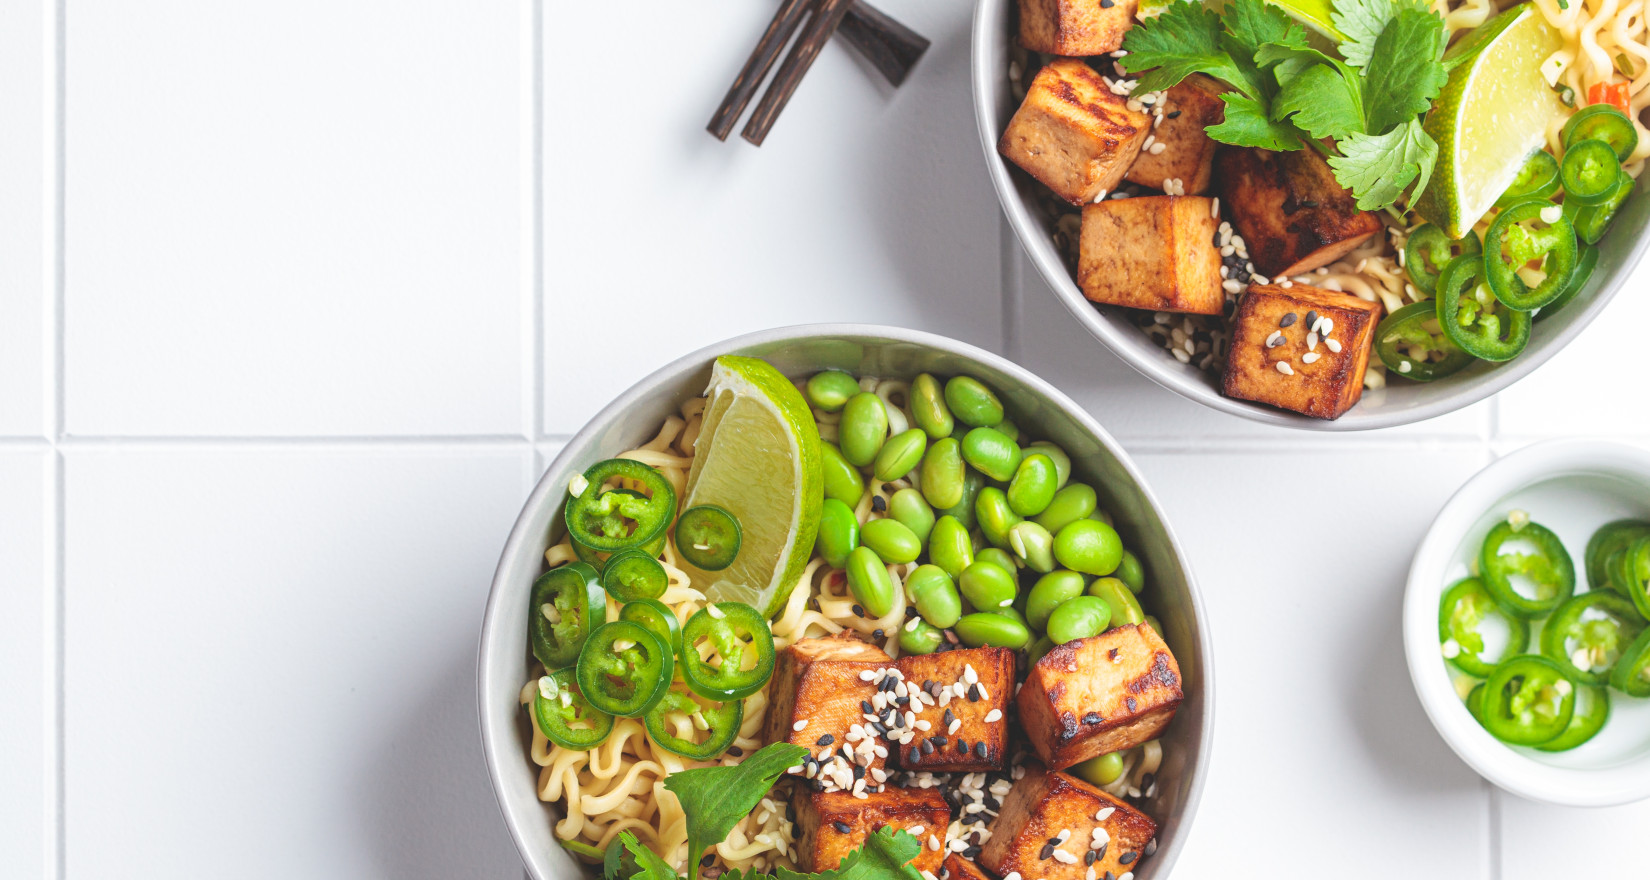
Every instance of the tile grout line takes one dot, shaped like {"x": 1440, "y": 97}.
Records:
{"x": 58, "y": 848}
{"x": 536, "y": 285}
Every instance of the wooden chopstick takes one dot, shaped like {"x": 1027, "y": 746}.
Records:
{"x": 757, "y": 66}
{"x": 826, "y": 16}
{"x": 891, "y": 47}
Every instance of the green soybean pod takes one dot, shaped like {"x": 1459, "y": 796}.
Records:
{"x": 869, "y": 582}
{"x": 1089, "y": 546}
{"x": 928, "y": 407}
{"x": 910, "y": 509}
{"x": 935, "y": 595}
{"x": 1050, "y": 591}
{"x": 973, "y": 403}
{"x": 963, "y": 510}
{"x": 949, "y": 546}
{"x": 1078, "y": 618}
{"x": 997, "y": 556}
{"x": 900, "y": 455}
{"x": 1034, "y": 485}
{"x": 988, "y": 587}
{"x": 918, "y": 636}
{"x": 1032, "y": 545}
{"x": 891, "y": 540}
{"x": 991, "y": 453}
{"x": 863, "y": 429}
{"x": 1062, "y": 461}
{"x": 995, "y": 518}
{"x": 1124, "y": 607}
{"x": 943, "y": 474}
{"x": 1073, "y": 502}
{"x": 830, "y": 389}
{"x": 842, "y": 480}
{"x": 1130, "y": 572}
{"x": 838, "y": 533}
{"x": 996, "y": 630}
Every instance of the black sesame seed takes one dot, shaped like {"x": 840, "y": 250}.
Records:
{"x": 1110, "y": 876}
{"x": 927, "y": 747}
{"x": 1047, "y": 853}
{"x": 825, "y": 740}
{"x": 1173, "y": 114}
{"x": 973, "y": 693}
{"x": 972, "y": 852}
{"x": 1055, "y": 841}
{"x": 816, "y": 784}
{"x": 859, "y": 611}
{"x": 1309, "y": 203}
{"x": 879, "y": 503}
{"x": 1092, "y": 718}
{"x": 1127, "y": 858}
{"x": 1089, "y": 857}
{"x": 962, "y": 745}
{"x": 902, "y": 701}
{"x": 878, "y": 728}
{"x": 1287, "y": 320}
{"x": 938, "y": 741}
{"x": 865, "y": 706}
{"x": 1151, "y": 847}
{"x": 707, "y": 860}
{"x": 877, "y": 634}
{"x": 947, "y": 718}
{"x": 979, "y": 748}
{"x": 859, "y": 772}
{"x": 991, "y": 803}
{"x": 1311, "y": 318}
{"x": 914, "y": 755}
{"x": 736, "y": 751}
{"x": 842, "y": 827}
{"x": 790, "y": 812}
{"x": 1107, "y": 4}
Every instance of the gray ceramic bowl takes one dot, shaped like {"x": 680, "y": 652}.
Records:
{"x": 1398, "y": 404}
{"x": 633, "y": 419}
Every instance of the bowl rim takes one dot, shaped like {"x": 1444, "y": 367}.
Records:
{"x": 1150, "y": 363}
{"x": 520, "y": 535}
{"x": 1491, "y": 759}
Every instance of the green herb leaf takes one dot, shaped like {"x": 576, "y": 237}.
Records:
{"x": 886, "y": 855}
{"x": 628, "y": 859}
{"x": 1248, "y": 125}
{"x": 1377, "y": 168}
{"x": 1184, "y": 40}
{"x": 1321, "y": 102}
{"x": 1252, "y": 23}
{"x": 1361, "y": 23}
{"x": 714, "y": 799}
{"x": 1404, "y": 75}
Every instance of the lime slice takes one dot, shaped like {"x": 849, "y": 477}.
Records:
{"x": 1491, "y": 116}
{"x": 757, "y": 457}
{"x": 1313, "y": 14}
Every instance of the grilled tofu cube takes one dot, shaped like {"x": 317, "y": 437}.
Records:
{"x": 1042, "y": 805}
{"x": 973, "y": 687}
{"x": 1152, "y": 252}
{"x": 1322, "y": 372}
{"x": 832, "y": 824}
{"x": 1075, "y": 27}
{"x": 1188, "y": 153}
{"x": 1072, "y": 133}
{"x": 1101, "y": 694}
{"x": 958, "y": 868}
{"x": 818, "y": 681}
{"x": 1292, "y": 213}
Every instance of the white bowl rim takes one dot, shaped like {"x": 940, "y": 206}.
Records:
{"x": 519, "y": 535}
{"x": 1150, "y": 363}
{"x": 1506, "y": 768}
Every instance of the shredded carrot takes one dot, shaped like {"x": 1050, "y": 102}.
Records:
{"x": 1615, "y": 94}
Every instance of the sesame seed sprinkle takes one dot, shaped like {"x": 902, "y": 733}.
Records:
{"x": 800, "y": 725}
{"x": 1284, "y": 368}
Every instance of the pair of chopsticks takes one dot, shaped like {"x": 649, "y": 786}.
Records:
{"x": 891, "y": 47}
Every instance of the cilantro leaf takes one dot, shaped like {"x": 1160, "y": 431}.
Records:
{"x": 1251, "y": 23}
{"x": 1377, "y": 168}
{"x": 628, "y": 859}
{"x": 886, "y": 855}
{"x": 1248, "y": 125}
{"x": 714, "y": 799}
{"x": 1403, "y": 75}
{"x": 1321, "y": 102}
{"x": 1361, "y": 23}
{"x": 1184, "y": 40}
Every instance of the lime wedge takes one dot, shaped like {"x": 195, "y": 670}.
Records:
{"x": 757, "y": 456}
{"x": 1491, "y": 116}
{"x": 1313, "y": 14}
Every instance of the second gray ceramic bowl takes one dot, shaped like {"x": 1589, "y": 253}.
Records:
{"x": 1398, "y": 404}
{"x": 1035, "y": 405}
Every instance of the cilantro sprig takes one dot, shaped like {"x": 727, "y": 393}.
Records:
{"x": 1362, "y": 110}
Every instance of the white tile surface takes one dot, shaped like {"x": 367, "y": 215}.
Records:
{"x": 272, "y": 661}
{"x": 1320, "y": 743}
{"x": 26, "y": 302}
{"x": 864, "y": 204}
{"x": 296, "y": 218}
{"x": 27, "y": 663}
{"x": 1540, "y": 841}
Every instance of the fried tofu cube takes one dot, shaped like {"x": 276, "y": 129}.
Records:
{"x": 1101, "y": 694}
{"x": 1045, "y": 803}
{"x": 1292, "y": 213}
{"x": 818, "y": 681}
{"x": 1188, "y": 153}
{"x": 1075, "y": 27}
{"x": 832, "y": 824}
{"x": 1278, "y": 358}
{"x": 1152, "y": 252}
{"x": 1072, "y": 133}
{"x": 968, "y": 725}
{"x": 958, "y": 868}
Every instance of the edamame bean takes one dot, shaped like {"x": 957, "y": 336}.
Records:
{"x": 863, "y": 429}
{"x": 831, "y": 389}
{"x": 943, "y": 473}
{"x": 1008, "y": 429}
{"x": 935, "y": 595}
{"x": 1050, "y": 591}
{"x": 1034, "y": 485}
{"x": 869, "y": 582}
{"x": 998, "y": 557}
{"x": 891, "y": 540}
{"x": 997, "y": 630}
{"x": 988, "y": 587}
{"x": 842, "y": 480}
{"x": 1154, "y": 624}
{"x": 917, "y": 636}
{"x": 973, "y": 482}
{"x": 991, "y": 453}
{"x": 1014, "y": 614}
{"x": 1033, "y": 546}
{"x": 973, "y": 403}
{"x": 908, "y": 506}
{"x": 1078, "y": 618}
{"x": 1103, "y": 515}
{"x": 1124, "y": 607}
{"x": 992, "y": 512}
{"x": 949, "y": 546}
{"x": 1062, "y": 461}
{"x": 1131, "y": 573}
{"x": 1104, "y": 770}
{"x": 1089, "y": 546}
{"x": 928, "y": 407}
{"x": 900, "y": 455}
{"x": 1039, "y": 648}
{"x": 838, "y": 533}
{"x": 1072, "y": 503}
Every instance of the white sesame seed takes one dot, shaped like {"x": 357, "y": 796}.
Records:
{"x": 1104, "y": 814}
{"x": 1147, "y": 144}
{"x": 800, "y": 725}
{"x": 715, "y": 612}
{"x": 956, "y": 725}
{"x": 1064, "y": 857}
{"x": 922, "y": 724}
{"x": 1064, "y": 835}
{"x": 1327, "y": 325}
{"x": 992, "y": 716}
{"x": 867, "y": 675}
{"x": 1284, "y": 368}
{"x": 1099, "y": 197}
{"x": 1127, "y": 875}
{"x": 1275, "y": 339}
{"x": 1309, "y": 357}
{"x": 933, "y": 843}
{"x": 1091, "y": 875}
{"x": 1231, "y": 285}
{"x": 1334, "y": 346}
{"x": 911, "y": 625}
{"x": 1157, "y": 149}
{"x": 1214, "y": 207}
{"x": 969, "y": 675}
{"x": 1312, "y": 341}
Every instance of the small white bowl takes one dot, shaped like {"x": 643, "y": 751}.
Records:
{"x": 1571, "y": 487}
